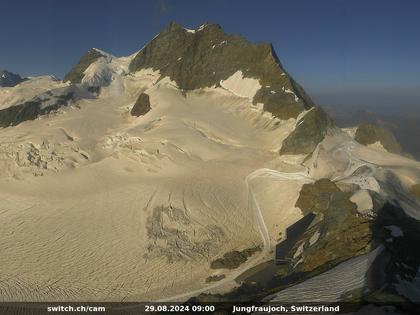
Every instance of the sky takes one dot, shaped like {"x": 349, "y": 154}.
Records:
{"x": 346, "y": 53}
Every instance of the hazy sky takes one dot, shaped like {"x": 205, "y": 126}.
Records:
{"x": 342, "y": 52}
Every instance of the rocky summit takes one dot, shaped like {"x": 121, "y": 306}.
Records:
{"x": 206, "y": 56}
{"x": 367, "y": 134}
{"x": 76, "y": 74}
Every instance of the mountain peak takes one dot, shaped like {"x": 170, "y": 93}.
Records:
{"x": 174, "y": 26}
{"x": 370, "y": 134}
{"x": 207, "y": 56}
{"x": 9, "y": 79}
{"x": 76, "y": 74}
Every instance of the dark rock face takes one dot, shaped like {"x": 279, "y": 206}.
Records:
{"x": 142, "y": 105}
{"x": 293, "y": 234}
{"x": 399, "y": 234}
{"x": 316, "y": 197}
{"x": 234, "y": 259}
{"x": 342, "y": 232}
{"x": 309, "y": 131}
{"x": 14, "y": 115}
{"x": 215, "y": 278}
{"x": 370, "y": 133}
{"x": 76, "y": 74}
{"x": 9, "y": 79}
{"x": 206, "y": 56}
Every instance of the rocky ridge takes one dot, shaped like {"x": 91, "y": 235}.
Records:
{"x": 9, "y": 79}
{"x": 207, "y": 56}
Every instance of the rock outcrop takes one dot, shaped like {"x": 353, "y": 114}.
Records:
{"x": 310, "y": 130}
{"x": 142, "y": 105}
{"x": 76, "y": 74}
{"x": 367, "y": 134}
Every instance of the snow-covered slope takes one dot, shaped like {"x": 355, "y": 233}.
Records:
{"x": 106, "y": 69}
{"x": 27, "y": 90}
{"x": 103, "y": 202}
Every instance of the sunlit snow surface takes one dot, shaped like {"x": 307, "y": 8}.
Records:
{"x": 241, "y": 86}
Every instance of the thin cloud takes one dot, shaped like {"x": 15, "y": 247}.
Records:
{"x": 164, "y": 7}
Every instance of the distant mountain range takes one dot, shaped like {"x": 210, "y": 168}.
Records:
{"x": 405, "y": 125}
{"x": 9, "y": 79}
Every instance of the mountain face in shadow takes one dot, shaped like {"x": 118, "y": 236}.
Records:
{"x": 9, "y": 79}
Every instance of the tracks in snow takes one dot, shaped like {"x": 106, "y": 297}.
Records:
{"x": 263, "y": 172}
{"x": 252, "y": 202}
